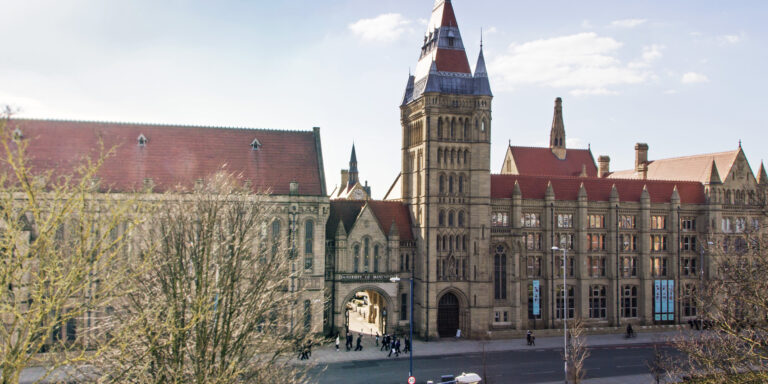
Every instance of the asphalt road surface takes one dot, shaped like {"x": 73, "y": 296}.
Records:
{"x": 530, "y": 366}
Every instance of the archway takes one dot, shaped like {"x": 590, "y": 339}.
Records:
{"x": 448, "y": 315}
{"x": 366, "y": 311}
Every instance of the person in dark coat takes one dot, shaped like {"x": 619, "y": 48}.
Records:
{"x": 359, "y": 346}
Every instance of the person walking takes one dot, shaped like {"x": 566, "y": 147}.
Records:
{"x": 528, "y": 336}
{"x": 377, "y": 339}
{"x": 533, "y": 339}
{"x": 407, "y": 343}
{"x": 359, "y": 346}
{"x": 392, "y": 348}
{"x": 337, "y": 342}
{"x": 349, "y": 341}
{"x": 397, "y": 348}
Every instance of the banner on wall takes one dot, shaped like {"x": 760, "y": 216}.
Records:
{"x": 536, "y": 298}
{"x": 664, "y": 300}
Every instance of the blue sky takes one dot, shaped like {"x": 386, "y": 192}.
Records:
{"x": 684, "y": 76}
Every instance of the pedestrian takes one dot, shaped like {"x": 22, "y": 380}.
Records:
{"x": 391, "y": 349}
{"x": 397, "y": 348}
{"x": 528, "y": 336}
{"x": 533, "y": 340}
{"x": 349, "y": 341}
{"x": 377, "y": 339}
{"x": 337, "y": 342}
{"x": 359, "y": 346}
{"x": 407, "y": 348}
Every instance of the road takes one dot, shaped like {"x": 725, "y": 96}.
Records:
{"x": 530, "y": 366}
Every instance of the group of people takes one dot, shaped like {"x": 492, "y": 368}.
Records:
{"x": 350, "y": 341}
{"x": 392, "y": 344}
{"x": 305, "y": 350}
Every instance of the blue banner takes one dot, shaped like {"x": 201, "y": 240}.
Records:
{"x": 536, "y": 298}
{"x": 664, "y": 300}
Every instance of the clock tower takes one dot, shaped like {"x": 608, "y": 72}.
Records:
{"x": 446, "y": 131}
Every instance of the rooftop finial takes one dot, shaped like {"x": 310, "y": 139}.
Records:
{"x": 739, "y": 143}
{"x": 481, "y": 37}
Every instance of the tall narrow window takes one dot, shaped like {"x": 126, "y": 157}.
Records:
{"x": 357, "y": 258}
{"x": 375, "y": 258}
{"x": 275, "y": 237}
{"x": 461, "y": 218}
{"x": 307, "y": 315}
{"x": 442, "y": 184}
{"x": 366, "y": 254}
{"x": 570, "y": 301}
{"x": 403, "y": 306}
{"x": 500, "y": 273}
{"x": 629, "y": 301}
{"x": 309, "y": 237}
{"x": 597, "y": 302}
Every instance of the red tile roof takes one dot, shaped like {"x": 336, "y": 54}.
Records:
{"x": 541, "y": 161}
{"x": 177, "y": 155}
{"x": 452, "y": 60}
{"x": 567, "y": 188}
{"x": 449, "y": 17}
{"x": 385, "y": 212}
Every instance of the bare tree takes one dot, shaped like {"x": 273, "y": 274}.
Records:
{"x": 213, "y": 309}
{"x": 733, "y": 348}
{"x": 61, "y": 260}
{"x": 577, "y": 351}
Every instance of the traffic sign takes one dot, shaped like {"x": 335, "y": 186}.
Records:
{"x": 411, "y": 380}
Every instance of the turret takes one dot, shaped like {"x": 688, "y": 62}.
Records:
{"x": 557, "y": 134}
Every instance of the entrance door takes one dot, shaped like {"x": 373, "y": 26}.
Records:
{"x": 448, "y": 315}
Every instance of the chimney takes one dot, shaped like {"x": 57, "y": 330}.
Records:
{"x": 603, "y": 166}
{"x": 294, "y": 188}
{"x": 344, "y": 178}
{"x": 641, "y": 154}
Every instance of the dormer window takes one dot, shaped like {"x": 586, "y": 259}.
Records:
{"x": 142, "y": 140}
{"x": 17, "y": 135}
{"x": 255, "y": 144}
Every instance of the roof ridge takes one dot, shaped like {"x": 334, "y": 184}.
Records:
{"x": 550, "y": 177}
{"x": 167, "y": 125}
{"x": 532, "y": 147}
{"x": 734, "y": 152}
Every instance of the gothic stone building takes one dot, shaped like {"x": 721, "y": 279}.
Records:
{"x": 632, "y": 244}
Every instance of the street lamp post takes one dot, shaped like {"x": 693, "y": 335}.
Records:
{"x": 565, "y": 317}
{"x": 410, "y": 323}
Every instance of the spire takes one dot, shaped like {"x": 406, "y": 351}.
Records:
{"x": 353, "y": 174}
{"x": 480, "y": 70}
{"x": 443, "y": 43}
{"x": 482, "y": 84}
{"x": 762, "y": 177}
{"x": 675, "y": 199}
{"x": 340, "y": 232}
{"x": 714, "y": 175}
{"x": 557, "y": 134}
{"x": 393, "y": 231}
{"x": 614, "y": 194}
{"x": 582, "y": 192}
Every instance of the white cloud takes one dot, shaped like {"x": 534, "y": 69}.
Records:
{"x": 651, "y": 53}
{"x": 387, "y": 27}
{"x": 693, "y": 78}
{"x": 627, "y": 23}
{"x": 730, "y": 39}
{"x": 586, "y": 24}
{"x": 585, "y": 63}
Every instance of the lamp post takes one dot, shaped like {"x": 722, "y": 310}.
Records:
{"x": 410, "y": 323}
{"x": 565, "y": 316}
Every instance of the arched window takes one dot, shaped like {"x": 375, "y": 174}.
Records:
{"x": 500, "y": 273}
{"x": 458, "y": 243}
{"x": 439, "y": 128}
{"x": 357, "y": 258}
{"x": 366, "y": 253}
{"x": 309, "y": 237}
{"x": 439, "y": 155}
{"x": 439, "y": 241}
{"x": 453, "y": 128}
{"x": 466, "y": 156}
{"x": 450, "y": 184}
{"x": 464, "y": 243}
{"x": 450, "y": 242}
{"x": 445, "y": 247}
{"x": 453, "y": 156}
{"x": 450, "y": 219}
{"x": 466, "y": 130}
{"x": 375, "y": 258}
{"x": 461, "y": 218}
{"x": 441, "y": 218}
{"x": 442, "y": 184}
{"x": 482, "y": 126}
{"x": 461, "y": 185}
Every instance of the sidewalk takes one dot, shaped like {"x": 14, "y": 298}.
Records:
{"x": 327, "y": 353}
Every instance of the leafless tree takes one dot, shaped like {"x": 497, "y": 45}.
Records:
{"x": 733, "y": 347}
{"x": 213, "y": 309}
{"x": 577, "y": 351}
{"x": 61, "y": 260}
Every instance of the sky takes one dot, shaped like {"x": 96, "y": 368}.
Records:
{"x": 684, "y": 76}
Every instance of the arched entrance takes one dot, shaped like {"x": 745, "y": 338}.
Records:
{"x": 366, "y": 311}
{"x": 448, "y": 315}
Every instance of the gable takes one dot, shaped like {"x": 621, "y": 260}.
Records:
{"x": 740, "y": 174}
{"x": 366, "y": 224}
